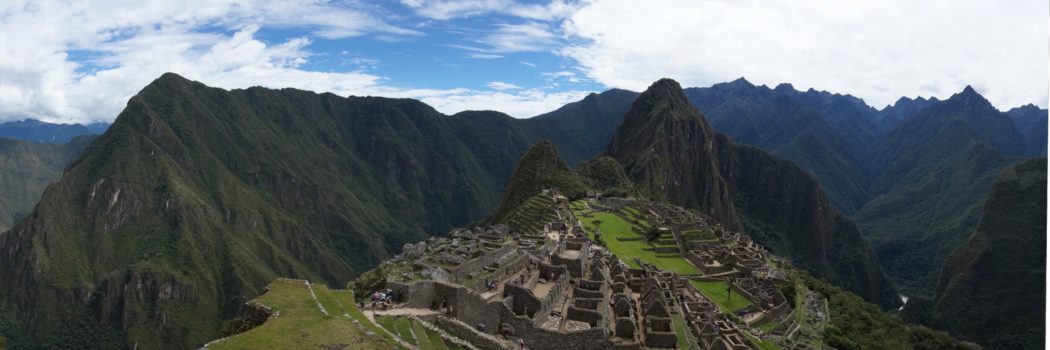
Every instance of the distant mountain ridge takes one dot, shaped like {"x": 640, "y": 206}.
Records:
{"x": 38, "y": 131}
{"x": 873, "y": 164}
{"x": 26, "y": 168}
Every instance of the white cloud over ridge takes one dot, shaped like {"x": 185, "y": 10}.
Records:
{"x": 130, "y": 43}
{"x": 876, "y": 50}
{"x": 80, "y": 61}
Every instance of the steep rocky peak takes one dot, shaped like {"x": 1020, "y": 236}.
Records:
{"x": 663, "y": 99}
{"x": 970, "y": 99}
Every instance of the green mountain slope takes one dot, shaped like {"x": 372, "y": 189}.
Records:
{"x": 667, "y": 149}
{"x": 1031, "y": 124}
{"x": 26, "y": 168}
{"x": 37, "y": 131}
{"x": 670, "y": 153}
{"x": 196, "y": 197}
{"x": 781, "y": 122}
{"x": 540, "y": 168}
{"x": 992, "y": 289}
{"x": 933, "y": 172}
{"x": 915, "y": 187}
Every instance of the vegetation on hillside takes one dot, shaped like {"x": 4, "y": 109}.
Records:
{"x": 857, "y": 324}
{"x": 26, "y": 168}
{"x": 992, "y": 289}
{"x": 539, "y": 169}
{"x": 667, "y": 149}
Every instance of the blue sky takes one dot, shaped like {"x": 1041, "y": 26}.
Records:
{"x": 80, "y": 61}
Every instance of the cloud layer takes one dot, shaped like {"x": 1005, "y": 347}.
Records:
{"x": 80, "y": 61}
{"x": 877, "y": 50}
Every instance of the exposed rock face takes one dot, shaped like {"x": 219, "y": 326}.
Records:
{"x": 992, "y": 289}
{"x": 667, "y": 149}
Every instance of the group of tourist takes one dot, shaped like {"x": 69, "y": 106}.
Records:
{"x": 384, "y": 298}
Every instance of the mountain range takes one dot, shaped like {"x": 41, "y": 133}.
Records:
{"x": 44, "y": 132}
{"x": 912, "y": 175}
{"x": 196, "y": 197}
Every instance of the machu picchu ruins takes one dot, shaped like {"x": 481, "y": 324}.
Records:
{"x": 600, "y": 273}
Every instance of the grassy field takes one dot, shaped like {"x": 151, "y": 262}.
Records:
{"x": 719, "y": 293}
{"x": 614, "y": 227}
{"x": 301, "y": 324}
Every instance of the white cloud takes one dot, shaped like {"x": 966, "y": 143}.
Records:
{"x": 501, "y": 86}
{"x": 450, "y": 9}
{"x": 483, "y": 56}
{"x": 519, "y": 103}
{"x": 876, "y": 50}
{"x": 524, "y": 37}
{"x": 133, "y": 42}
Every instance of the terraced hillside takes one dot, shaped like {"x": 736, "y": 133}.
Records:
{"x": 301, "y": 315}
{"x": 530, "y": 217}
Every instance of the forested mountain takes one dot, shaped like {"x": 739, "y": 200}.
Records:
{"x": 992, "y": 289}
{"x": 26, "y": 168}
{"x": 197, "y": 197}
{"x": 1031, "y": 124}
{"x": 788, "y": 126}
{"x": 932, "y": 173}
{"x": 38, "y": 131}
{"x": 912, "y": 175}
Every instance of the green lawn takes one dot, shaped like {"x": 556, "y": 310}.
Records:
{"x": 301, "y": 323}
{"x": 613, "y": 227}
{"x": 719, "y": 293}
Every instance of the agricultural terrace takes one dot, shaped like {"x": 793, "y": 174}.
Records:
{"x": 625, "y": 238}
{"x": 308, "y": 316}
